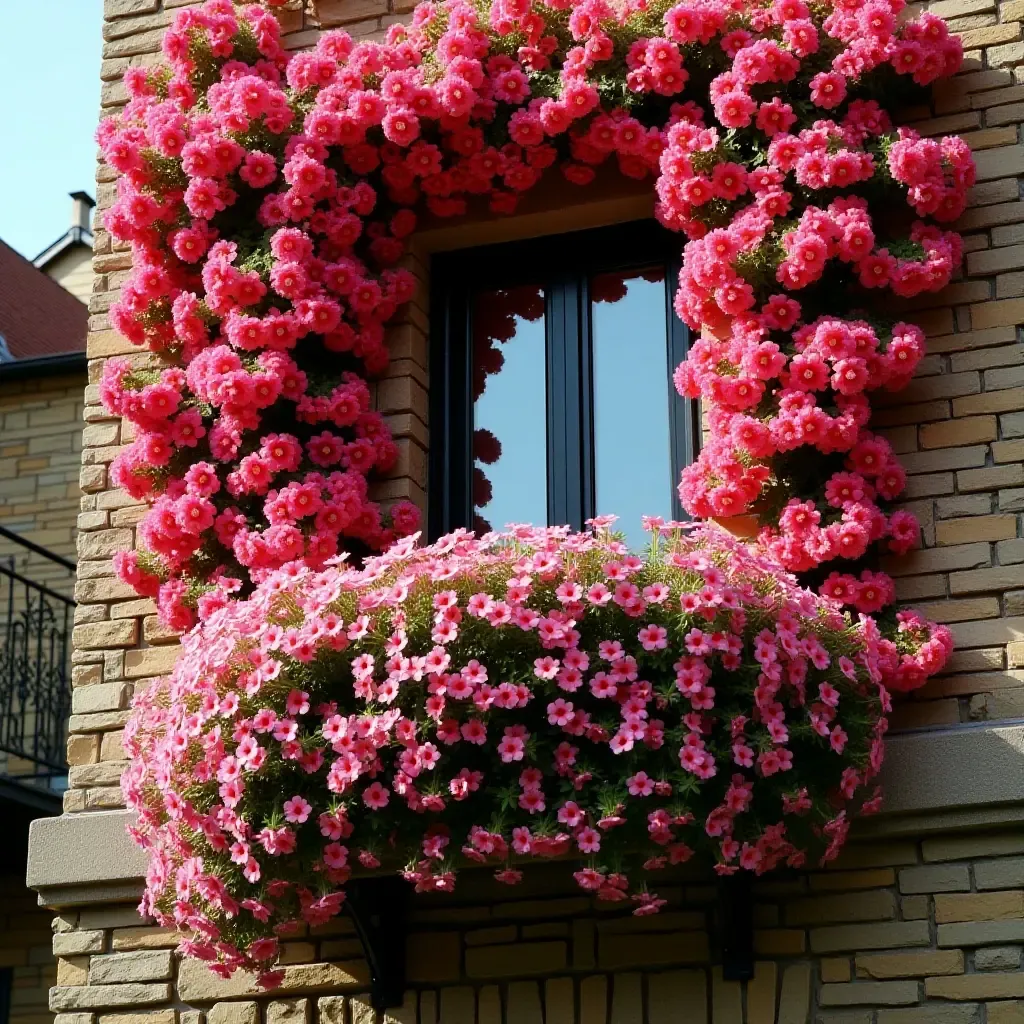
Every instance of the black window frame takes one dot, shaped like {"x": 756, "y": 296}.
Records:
{"x": 563, "y": 264}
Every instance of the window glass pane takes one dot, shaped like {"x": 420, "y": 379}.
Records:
{"x": 632, "y": 447}
{"x": 509, "y": 409}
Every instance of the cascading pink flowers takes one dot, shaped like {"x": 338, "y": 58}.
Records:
{"x": 269, "y": 202}
{"x": 781, "y": 388}
{"x": 522, "y": 695}
{"x": 543, "y": 692}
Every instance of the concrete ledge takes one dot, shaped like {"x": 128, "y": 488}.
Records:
{"x": 77, "y": 852}
{"x": 935, "y": 780}
{"x": 950, "y": 779}
{"x": 966, "y": 766}
{"x": 66, "y": 896}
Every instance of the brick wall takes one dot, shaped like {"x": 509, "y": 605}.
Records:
{"x": 959, "y": 428}
{"x": 907, "y": 932}
{"x": 901, "y": 932}
{"x": 40, "y": 456}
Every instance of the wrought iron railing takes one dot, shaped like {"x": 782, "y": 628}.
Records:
{"x": 35, "y": 662}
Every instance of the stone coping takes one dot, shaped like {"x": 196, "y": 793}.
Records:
{"x": 964, "y": 777}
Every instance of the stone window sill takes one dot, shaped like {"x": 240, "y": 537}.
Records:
{"x": 935, "y": 780}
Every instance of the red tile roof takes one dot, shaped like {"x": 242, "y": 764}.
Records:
{"x": 37, "y": 316}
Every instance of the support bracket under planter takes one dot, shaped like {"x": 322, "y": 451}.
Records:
{"x": 736, "y": 906}
{"x": 379, "y": 908}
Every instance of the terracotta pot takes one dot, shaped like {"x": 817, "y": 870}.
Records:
{"x": 741, "y": 527}
{"x": 718, "y": 326}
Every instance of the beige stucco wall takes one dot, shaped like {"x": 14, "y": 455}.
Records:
{"x": 910, "y": 929}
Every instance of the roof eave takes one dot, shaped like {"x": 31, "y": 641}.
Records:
{"x": 43, "y": 366}
{"x": 73, "y": 236}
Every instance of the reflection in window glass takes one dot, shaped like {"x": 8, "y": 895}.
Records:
{"x": 632, "y": 449}
{"x": 509, "y": 409}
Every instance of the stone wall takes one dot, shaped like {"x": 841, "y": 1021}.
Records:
{"x": 907, "y": 931}
{"x": 959, "y": 428}
{"x": 901, "y": 932}
{"x": 40, "y": 454}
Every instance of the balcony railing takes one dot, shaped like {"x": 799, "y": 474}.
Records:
{"x": 36, "y": 620}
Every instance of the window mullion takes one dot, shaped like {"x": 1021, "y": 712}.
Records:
{"x": 585, "y": 361}
{"x": 451, "y": 410}
{"x": 684, "y": 413}
{"x": 565, "y": 497}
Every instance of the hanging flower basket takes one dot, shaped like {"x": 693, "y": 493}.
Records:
{"x": 528, "y": 695}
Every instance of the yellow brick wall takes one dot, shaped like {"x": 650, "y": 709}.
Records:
{"x": 40, "y": 457}
{"x": 40, "y": 453}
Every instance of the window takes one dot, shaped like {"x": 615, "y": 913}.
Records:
{"x": 551, "y": 381}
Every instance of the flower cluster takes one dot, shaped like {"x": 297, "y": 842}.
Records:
{"x": 496, "y": 699}
{"x": 782, "y": 399}
{"x": 269, "y": 200}
{"x": 765, "y": 402}
{"x": 534, "y": 693}
{"x": 254, "y": 450}
{"x": 785, "y": 385}
{"x": 937, "y": 173}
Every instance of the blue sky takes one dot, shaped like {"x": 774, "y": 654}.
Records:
{"x": 50, "y": 80}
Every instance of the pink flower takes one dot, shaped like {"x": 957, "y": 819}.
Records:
{"x": 735, "y": 109}
{"x": 376, "y": 796}
{"x": 546, "y": 667}
{"x": 297, "y": 702}
{"x": 653, "y": 638}
{"x": 697, "y": 642}
{"x": 297, "y": 810}
{"x": 828, "y": 90}
{"x": 560, "y": 712}
{"x": 904, "y": 531}
{"x": 640, "y": 784}
{"x": 511, "y": 748}
{"x": 775, "y": 116}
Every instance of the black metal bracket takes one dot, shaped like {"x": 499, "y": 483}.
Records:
{"x": 379, "y": 908}
{"x": 736, "y": 907}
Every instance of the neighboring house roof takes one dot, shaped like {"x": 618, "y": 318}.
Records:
{"x": 38, "y": 318}
{"x": 72, "y": 237}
